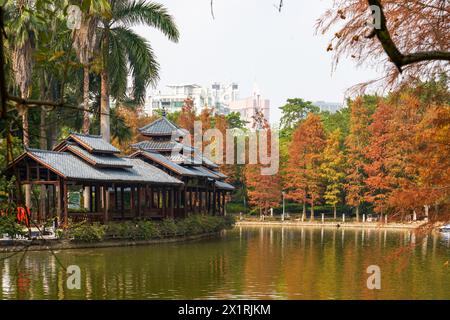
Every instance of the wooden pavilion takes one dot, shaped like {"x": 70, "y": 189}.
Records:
{"x": 152, "y": 183}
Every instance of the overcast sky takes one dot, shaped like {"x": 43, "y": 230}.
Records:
{"x": 250, "y": 41}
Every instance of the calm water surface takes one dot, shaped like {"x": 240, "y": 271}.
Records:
{"x": 245, "y": 263}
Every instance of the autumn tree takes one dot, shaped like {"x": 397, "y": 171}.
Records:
{"x": 355, "y": 143}
{"x": 408, "y": 38}
{"x": 303, "y": 180}
{"x": 378, "y": 180}
{"x": 332, "y": 170}
{"x": 264, "y": 191}
{"x": 187, "y": 117}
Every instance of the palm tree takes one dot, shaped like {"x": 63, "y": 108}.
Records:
{"x": 84, "y": 41}
{"x": 123, "y": 50}
{"x": 22, "y": 29}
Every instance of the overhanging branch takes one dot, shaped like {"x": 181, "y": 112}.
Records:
{"x": 399, "y": 59}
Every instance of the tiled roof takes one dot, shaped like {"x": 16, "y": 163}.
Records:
{"x": 217, "y": 173}
{"x": 162, "y": 160}
{"x": 205, "y": 171}
{"x": 162, "y": 127}
{"x": 93, "y": 143}
{"x": 224, "y": 185}
{"x": 151, "y": 145}
{"x": 71, "y": 167}
{"x": 104, "y": 160}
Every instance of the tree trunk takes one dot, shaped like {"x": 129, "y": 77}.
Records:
{"x": 304, "y": 210}
{"x": 86, "y": 120}
{"x": 312, "y": 210}
{"x": 104, "y": 101}
{"x": 43, "y": 146}
{"x": 334, "y": 212}
{"x": 357, "y": 213}
{"x": 26, "y": 144}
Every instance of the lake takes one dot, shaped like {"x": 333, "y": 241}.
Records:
{"x": 243, "y": 263}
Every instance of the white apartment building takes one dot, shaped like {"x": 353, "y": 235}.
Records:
{"x": 247, "y": 107}
{"x": 217, "y": 96}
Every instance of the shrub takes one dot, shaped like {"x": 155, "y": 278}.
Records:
{"x": 9, "y": 226}
{"x": 168, "y": 228}
{"x": 147, "y": 230}
{"x": 87, "y": 233}
{"x": 144, "y": 230}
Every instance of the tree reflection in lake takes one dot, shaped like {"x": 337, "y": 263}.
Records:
{"x": 247, "y": 262}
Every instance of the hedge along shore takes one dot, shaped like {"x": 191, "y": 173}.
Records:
{"x": 56, "y": 244}
{"x": 332, "y": 224}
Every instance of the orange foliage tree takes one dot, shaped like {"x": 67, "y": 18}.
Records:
{"x": 409, "y": 37}
{"x": 355, "y": 143}
{"x": 303, "y": 180}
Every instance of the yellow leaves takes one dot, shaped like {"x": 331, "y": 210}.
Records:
{"x": 330, "y": 47}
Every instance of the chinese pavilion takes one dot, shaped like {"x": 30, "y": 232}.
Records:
{"x": 163, "y": 178}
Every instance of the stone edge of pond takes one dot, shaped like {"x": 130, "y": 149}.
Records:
{"x": 55, "y": 244}
{"x": 331, "y": 224}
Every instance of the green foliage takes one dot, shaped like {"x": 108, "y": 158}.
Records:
{"x": 9, "y": 226}
{"x": 145, "y": 230}
{"x": 141, "y": 230}
{"x": 168, "y": 228}
{"x": 87, "y": 233}
{"x": 236, "y": 207}
{"x": 293, "y": 111}
{"x": 337, "y": 120}
{"x": 234, "y": 121}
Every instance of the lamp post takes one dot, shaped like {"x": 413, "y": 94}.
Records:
{"x": 282, "y": 216}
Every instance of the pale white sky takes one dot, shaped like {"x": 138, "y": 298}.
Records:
{"x": 250, "y": 41}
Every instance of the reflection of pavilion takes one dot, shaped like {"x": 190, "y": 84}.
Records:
{"x": 156, "y": 181}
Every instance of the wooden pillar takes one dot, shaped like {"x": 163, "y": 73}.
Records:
{"x": 151, "y": 198}
{"x": 132, "y": 201}
{"x": 105, "y": 204}
{"x": 185, "y": 207}
{"x": 164, "y": 209}
{"x": 66, "y": 204}
{"x": 171, "y": 204}
{"x": 116, "y": 200}
{"x": 223, "y": 203}
{"x": 90, "y": 199}
{"x": 159, "y": 205}
{"x": 138, "y": 213}
{"x": 47, "y": 204}
{"x": 122, "y": 202}
{"x": 97, "y": 198}
{"x": 200, "y": 200}
{"x": 214, "y": 200}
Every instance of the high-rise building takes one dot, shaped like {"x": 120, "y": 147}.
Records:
{"x": 217, "y": 96}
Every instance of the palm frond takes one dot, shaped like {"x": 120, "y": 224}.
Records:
{"x": 142, "y": 63}
{"x": 146, "y": 13}
{"x": 117, "y": 66}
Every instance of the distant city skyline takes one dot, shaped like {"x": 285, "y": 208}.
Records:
{"x": 250, "y": 41}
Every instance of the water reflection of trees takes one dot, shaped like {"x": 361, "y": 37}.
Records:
{"x": 269, "y": 263}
